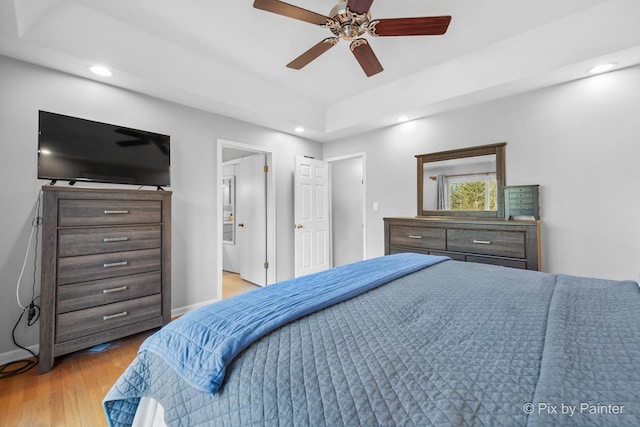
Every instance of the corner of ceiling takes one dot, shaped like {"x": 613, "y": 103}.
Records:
{"x": 29, "y": 12}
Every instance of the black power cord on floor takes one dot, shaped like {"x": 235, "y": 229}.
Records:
{"x": 18, "y": 367}
{"x": 32, "y": 309}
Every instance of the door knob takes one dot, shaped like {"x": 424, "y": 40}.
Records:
{"x": 241, "y": 225}
{"x": 298, "y": 225}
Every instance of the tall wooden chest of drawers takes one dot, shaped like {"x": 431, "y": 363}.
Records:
{"x": 106, "y": 267}
{"x": 490, "y": 241}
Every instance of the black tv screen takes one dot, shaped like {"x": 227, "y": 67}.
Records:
{"x": 74, "y": 149}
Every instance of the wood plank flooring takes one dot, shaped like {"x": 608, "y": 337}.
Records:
{"x": 71, "y": 393}
{"x": 234, "y": 285}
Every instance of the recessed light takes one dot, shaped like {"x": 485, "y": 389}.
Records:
{"x": 101, "y": 70}
{"x": 299, "y": 129}
{"x": 44, "y": 151}
{"x": 402, "y": 119}
{"x": 601, "y": 68}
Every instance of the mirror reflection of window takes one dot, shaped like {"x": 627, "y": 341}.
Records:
{"x": 467, "y": 184}
{"x": 475, "y": 192}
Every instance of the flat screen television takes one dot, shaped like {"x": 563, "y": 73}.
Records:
{"x": 74, "y": 149}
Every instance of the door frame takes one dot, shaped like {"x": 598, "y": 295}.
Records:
{"x": 271, "y": 207}
{"x": 329, "y": 160}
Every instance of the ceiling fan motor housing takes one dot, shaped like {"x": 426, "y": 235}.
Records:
{"x": 346, "y": 24}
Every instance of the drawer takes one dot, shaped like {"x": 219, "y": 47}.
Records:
{"x": 518, "y": 210}
{"x": 487, "y": 242}
{"x": 83, "y": 295}
{"x": 522, "y": 204}
{"x": 102, "y": 266}
{"x": 520, "y": 198}
{"x": 513, "y": 263}
{"x": 522, "y": 189}
{"x": 108, "y": 212}
{"x": 81, "y": 323}
{"x": 526, "y": 192}
{"x": 86, "y": 241}
{"x": 417, "y": 237}
{"x": 403, "y": 249}
{"x": 453, "y": 255}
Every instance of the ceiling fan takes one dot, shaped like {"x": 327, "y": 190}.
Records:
{"x": 350, "y": 20}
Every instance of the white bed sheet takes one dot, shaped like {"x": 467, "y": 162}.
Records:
{"x": 150, "y": 413}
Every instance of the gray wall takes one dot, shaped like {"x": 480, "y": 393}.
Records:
{"x": 579, "y": 141}
{"x": 26, "y": 89}
{"x": 346, "y": 210}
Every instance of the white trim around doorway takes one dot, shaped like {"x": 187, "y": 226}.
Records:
{"x": 271, "y": 208}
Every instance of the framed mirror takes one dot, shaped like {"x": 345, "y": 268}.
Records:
{"x": 228, "y": 208}
{"x": 467, "y": 182}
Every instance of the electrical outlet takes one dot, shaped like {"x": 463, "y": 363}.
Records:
{"x": 32, "y": 311}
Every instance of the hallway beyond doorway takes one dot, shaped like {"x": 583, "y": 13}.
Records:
{"x": 233, "y": 285}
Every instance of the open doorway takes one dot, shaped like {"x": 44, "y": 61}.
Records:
{"x": 348, "y": 214}
{"x": 246, "y": 218}
{"x": 330, "y": 215}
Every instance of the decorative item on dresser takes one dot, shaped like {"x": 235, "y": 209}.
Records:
{"x": 522, "y": 201}
{"x": 106, "y": 267}
{"x": 490, "y": 241}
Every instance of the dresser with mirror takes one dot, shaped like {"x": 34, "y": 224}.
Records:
{"x": 461, "y": 212}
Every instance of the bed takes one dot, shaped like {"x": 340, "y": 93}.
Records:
{"x": 407, "y": 340}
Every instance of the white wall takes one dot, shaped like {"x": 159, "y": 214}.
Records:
{"x": 26, "y": 89}
{"x": 579, "y": 141}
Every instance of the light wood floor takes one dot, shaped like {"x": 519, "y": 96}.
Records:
{"x": 233, "y": 285}
{"x": 71, "y": 393}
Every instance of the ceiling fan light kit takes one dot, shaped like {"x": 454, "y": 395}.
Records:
{"x": 350, "y": 20}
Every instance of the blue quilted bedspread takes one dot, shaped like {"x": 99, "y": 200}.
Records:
{"x": 200, "y": 344}
{"x": 450, "y": 345}
{"x": 590, "y": 373}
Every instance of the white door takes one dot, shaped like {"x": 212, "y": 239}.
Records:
{"x": 251, "y": 224}
{"x": 311, "y": 216}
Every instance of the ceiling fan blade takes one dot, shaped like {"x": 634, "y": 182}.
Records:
{"x": 313, "y": 53}
{"x": 365, "y": 56}
{"x": 359, "y": 6}
{"x": 422, "y": 26}
{"x": 291, "y": 11}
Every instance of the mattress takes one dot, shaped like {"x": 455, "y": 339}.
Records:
{"x": 452, "y": 344}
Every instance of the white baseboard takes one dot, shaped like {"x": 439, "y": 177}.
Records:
{"x": 184, "y": 310}
{"x": 19, "y": 354}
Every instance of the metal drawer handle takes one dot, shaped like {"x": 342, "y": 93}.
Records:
{"x": 116, "y": 212}
{"x": 482, "y": 242}
{"x": 113, "y": 316}
{"x": 413, "y": 236}
{"x": 115, "y": 264}
{"x": 115, "y": 239}
{"x": 120, "y": 289}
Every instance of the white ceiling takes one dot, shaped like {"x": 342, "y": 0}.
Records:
{"x": 226, "y": 57}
